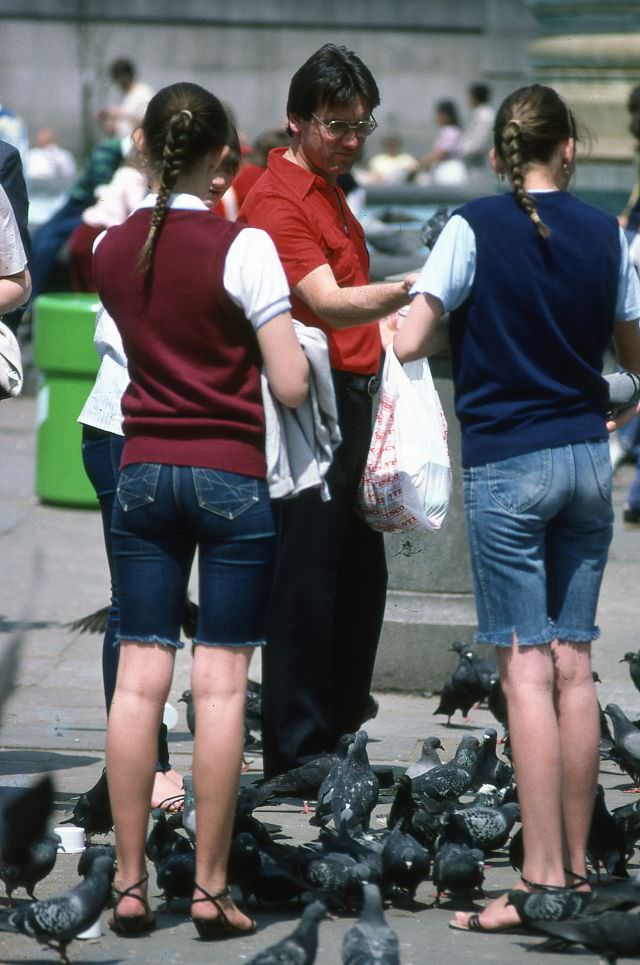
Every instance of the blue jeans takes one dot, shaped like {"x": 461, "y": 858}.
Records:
{"x": 539, "y": 528}
{"x": 161, "y": 515}
{"x": 101, "y": 455}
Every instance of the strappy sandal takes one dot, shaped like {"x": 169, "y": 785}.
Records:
{"x": 172, "y": 804}
{"x": 473, "y": 923}
{"x": 535, "y": 886}
{"x": 131, "y": 926}
{"x": 578, "y": 880}
{"x": 213, "y": 929}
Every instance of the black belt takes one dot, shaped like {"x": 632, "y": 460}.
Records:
{"x": 362, "y": 383}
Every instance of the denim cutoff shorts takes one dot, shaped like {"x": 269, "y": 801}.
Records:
{"x": 539, "y": 528}
{"x": 161, "y": 515}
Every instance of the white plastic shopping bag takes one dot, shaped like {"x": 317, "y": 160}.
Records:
{"x": 406, "y": 482}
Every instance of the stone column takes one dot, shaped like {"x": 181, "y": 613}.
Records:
{"x": 430, "y": 600}
{"x": 590, "y": 52}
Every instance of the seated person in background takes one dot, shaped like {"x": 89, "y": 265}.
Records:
{"x": 392, "y": 165}
{"x": 114, "y": 203}
{"x": 98, "y": 169}
{"x": 47, "y": 159}
{"x": 442, "y": 165}
{"x": 477, "y": 136}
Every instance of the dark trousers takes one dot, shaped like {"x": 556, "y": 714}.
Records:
{"x": 327, "y": 604}
{"x": 101, "y": 454}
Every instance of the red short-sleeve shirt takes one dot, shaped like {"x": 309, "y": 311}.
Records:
{"x": 311, "y": 225}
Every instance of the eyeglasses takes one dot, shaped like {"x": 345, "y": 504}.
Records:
{"x": 338, "y": 129}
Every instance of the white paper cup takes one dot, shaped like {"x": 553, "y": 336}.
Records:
{"x": 71, "y": 838}
{"x": 93, "y": 931}
{"x": 170, "y": 716}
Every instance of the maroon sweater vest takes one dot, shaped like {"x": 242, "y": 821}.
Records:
{"x": 194, "y": 397}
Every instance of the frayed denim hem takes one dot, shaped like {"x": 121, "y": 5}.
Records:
{"x": 231, "y": 646}
{"x": 163, "y": 641}
{"x": 506, "y": 639}
{"x": 554, "y": 633}
{"x": 577, "y": 636}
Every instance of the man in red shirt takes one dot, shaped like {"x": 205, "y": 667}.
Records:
{"x": 330, "y": 583}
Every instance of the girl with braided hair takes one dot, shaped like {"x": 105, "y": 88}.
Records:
{"x": 535, "y": 283}
{"x": 201, "y": 305}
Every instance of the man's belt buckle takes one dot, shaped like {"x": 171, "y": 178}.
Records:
{"x": 373, "y": 385}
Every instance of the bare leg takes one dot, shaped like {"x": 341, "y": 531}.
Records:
{"x": 527, "y": 676}
{"x": 144, "y": 678}
{"x": 167, "y": 788}
{"x": 219, "y": 685}
{"x": 577, "y": 707}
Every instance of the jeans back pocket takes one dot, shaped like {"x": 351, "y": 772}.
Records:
{"x": 519, "y": 483}
{"x": 227, "y": 494}
{"x": 137, "y": 485}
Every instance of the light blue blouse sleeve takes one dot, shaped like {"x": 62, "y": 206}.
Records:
{"x": 628, "y": 301}
{"x": 449, "y": 271}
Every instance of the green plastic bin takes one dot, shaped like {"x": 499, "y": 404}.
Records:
{"x": 68, "y": 363}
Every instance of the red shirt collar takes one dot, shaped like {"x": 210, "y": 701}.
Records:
{"x": 297, "y": 179}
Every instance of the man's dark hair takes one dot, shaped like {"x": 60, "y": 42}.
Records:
{"x": 122, "y": 68}
{"x": 480, "y": 93}
{"x": 333, "y": 76}
{"x": 449, "y": 109}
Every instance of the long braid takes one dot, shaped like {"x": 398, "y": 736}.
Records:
{"x": 512, "y": 154}
{"x": 173, "y": 157}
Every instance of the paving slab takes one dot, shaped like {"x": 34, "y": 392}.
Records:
{"x": 54, "y": 571}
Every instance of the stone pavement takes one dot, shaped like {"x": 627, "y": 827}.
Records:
{"x": 54, "y": 570}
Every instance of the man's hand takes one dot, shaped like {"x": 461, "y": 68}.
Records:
{"x": 388, "y": 328}
{"x": 626, "y": 415}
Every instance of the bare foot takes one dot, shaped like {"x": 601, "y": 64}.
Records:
{"x": 495, "y": 916}
{"x": 234, "y": 916}
{"x": 166, "y": 792}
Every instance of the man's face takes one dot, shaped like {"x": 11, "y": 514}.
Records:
{"x": 324, "y": 153}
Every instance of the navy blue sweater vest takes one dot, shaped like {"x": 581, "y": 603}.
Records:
{"x": 528, "y": 342}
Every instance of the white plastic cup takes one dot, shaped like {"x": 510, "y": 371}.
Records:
{"x": 93, "y": 931}
{"x": 170, "y": 716}
{"x": 72, "y": 840}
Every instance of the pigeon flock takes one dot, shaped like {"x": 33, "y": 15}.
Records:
{"x": 378, "y": 838}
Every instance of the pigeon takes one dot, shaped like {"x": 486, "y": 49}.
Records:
{"x": 487, "y": 828}
{"x": 371, "y": 941}
{"x": 253, "y": 709}
{"x": 243, "y": 863}
{"x": 303, "y": 781}
{"x": 56, "y": 921}
{"x": 628, "y": 817}
{"x": 365, "y": 849}
{"x": 187, "y": 698}
{"x": 89, "y": 855}
{"x": 92, "y": 810}
{"x": 627, "y": 741}
{"x": 424, "y": 820}
{"x": 334, "y": 877}
{"x": 176, "y": 875}
{"x": 23, "y": 820}
{"x": 350, "y": 792}
{"x": 491, "y": 770}
{"x": 633, "y": 659}
{"x": 428, "y": 758}
{"x": 96, "y": 622}
{"x": 461, "y": 690}
{"x": 536, "y": 906}
{"x": 188, "y": 812}
{"x": 457, "y": 870}
{"x": 41, "y": 860}
{"x": 298, "y": 948}
{"x": 432, "y": 227}
{"x": 496, "y": 700}
{"x": 449, "y": 781}
{"x": 606, "y": 843}
{"x": 405, "y": 862}
{"x": 163, "y": 839}
{"x": 611, "y": 934}
{"x": 272, "y": 885}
